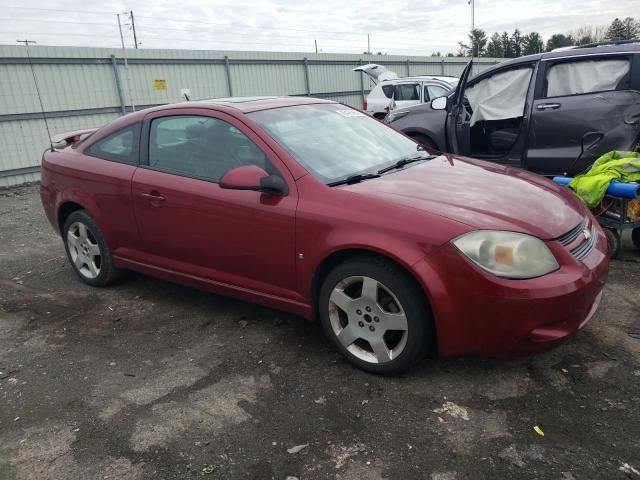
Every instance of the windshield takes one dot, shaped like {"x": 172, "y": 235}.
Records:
{"x": 334, "y": 142}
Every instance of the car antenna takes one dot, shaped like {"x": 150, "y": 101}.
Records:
{"x": 35, "y": 80}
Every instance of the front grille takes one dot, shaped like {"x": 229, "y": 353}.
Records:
{"x": 572, "y": 234}
{"x": 577, "y": 242}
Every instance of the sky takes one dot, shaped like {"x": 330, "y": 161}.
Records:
{"x": 400, "y": 27}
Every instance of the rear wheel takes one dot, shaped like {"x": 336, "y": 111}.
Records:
{"x": 87, "y": 250}
{"x": 376, "y": 315}
{"x": 635, "y": 237}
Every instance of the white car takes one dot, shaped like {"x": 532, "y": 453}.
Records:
{"x": 393, "y": 92}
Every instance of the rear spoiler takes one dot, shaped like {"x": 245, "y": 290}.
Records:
{"x": 63, "y": 140}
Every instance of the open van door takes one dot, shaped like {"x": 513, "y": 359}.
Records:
{"x": 457, "y": 130}
{"x": 376, "y": 72}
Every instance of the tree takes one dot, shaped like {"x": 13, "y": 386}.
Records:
{"x": 631, "y": 28}
{"x": 494, "y": 47}
{"x": 588, "y": 34}
{"x": 559, "y": 40}
{"x": 516, "y": 43}
{"x": 616, "y": 30}
{"x": 532, "y": 43}
{"x": 507, "y": 48}
{"x": 436, "y": 54}
{"x": 476, "y": 45}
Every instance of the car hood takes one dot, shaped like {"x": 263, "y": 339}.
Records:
{"x": 482, "y": 195}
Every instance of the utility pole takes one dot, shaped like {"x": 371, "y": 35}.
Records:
{"x": 473, "y": 46}
{"x": 316, "y": 42}
{"x": 133, "y": 26}
{"x": 368, "y": 44}
{"x": 126, "y": 65}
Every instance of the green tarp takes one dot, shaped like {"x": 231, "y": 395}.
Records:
{"x": 615, "y": 165}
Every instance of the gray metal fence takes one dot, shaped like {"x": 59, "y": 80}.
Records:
{"x": 89, "y": 87}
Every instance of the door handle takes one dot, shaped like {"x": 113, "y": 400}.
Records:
{"x": 550, "y": 106}
{"x": 153, "y": 196}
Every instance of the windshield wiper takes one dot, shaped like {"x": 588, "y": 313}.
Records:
{"x": 354, "y": 179}
{"x": 405, "y": 161}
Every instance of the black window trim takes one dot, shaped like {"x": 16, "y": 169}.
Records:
{"x": 86, "y": 149}
{"x": 541, "y": 85}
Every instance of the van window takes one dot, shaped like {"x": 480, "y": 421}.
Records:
{"x": 587, "y": 76}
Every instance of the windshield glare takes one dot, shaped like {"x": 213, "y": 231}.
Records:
{"x": 334, "y": 142}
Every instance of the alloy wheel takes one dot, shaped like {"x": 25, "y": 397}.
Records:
{"x": 368, "y": 319}
{"x": 84, "y": 250}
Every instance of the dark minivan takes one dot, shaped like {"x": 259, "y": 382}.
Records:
{"x": 552, "y": 113}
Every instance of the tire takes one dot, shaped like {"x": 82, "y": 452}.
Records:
{"x": 425, "y": 141}
{"x": 87, "y": 250}
{"x": 615, "y": 243}
{"x": 635, "y": 237}
{"x": 355, "y": 322}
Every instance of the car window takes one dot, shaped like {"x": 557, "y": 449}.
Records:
{"x": 121, "y": 146}
{"x": 408, "y": 91}
{"x": 388, "y": 90}
{"x": 333, "y": 141}
{"x": 587, "y": 76}
{"x": 499, "y": 96}
{"x": 434, "y": 91}
{"x": 200, "y": 147}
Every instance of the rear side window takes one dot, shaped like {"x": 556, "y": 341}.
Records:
{"x": 200, "y": 147}
{"x": 587, "y": 76}
{"x": 388, "y": 90}
{"x": 407, "y": 91}
{"x": 121, "y": 146}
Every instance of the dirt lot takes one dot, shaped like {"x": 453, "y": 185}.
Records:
{"x": 151, "y": 380}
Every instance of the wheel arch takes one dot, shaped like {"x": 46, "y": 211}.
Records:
{"x": 64, "y": 210}
{"x": 413, "y": 133}
{"x": 336, "y": 257}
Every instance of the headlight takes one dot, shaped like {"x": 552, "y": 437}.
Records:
{"x": 391, "y": 116}
{"x": 507, "y": 254}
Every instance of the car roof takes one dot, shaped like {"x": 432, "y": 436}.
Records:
{"x": 437, "y": 78}
{"x": 245, "y": 104}
{"x": 569, "y": 52}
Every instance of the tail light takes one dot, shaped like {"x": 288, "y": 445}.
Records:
{"x": 364, "y": 104}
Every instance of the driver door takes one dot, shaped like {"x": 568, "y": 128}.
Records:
{"x": 457, "y": 128}
{"x": 189, "y": 225}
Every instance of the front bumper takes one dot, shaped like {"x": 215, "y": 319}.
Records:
{"x": 476, "y": 313}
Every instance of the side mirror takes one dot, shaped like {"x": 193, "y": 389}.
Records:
{"x": 252, "y": 177}
{"x": 439, "y": 103}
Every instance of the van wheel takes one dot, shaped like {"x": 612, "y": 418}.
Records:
{"x": 376, "y": 315}
{"x": 87, "y": 250}
{"x": 425, "y": 141}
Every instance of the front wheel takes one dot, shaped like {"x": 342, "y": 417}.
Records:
{"x": 376, "y": 315}
{"x": 87, "y": 250}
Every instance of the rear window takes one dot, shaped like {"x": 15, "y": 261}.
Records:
{"x": 121, "y": 146}
{"x": 587, "y": 76}
{"x": 388, "y": 90}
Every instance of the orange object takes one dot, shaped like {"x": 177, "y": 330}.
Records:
{"x": 633, "y": 210}
{"x": 504, "y": 255}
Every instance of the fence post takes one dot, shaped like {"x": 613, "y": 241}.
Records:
{"x": 442, "y": 67}
{"x": 116, "y": 74}
{"x": 228, "y": 71}
{"x": 408, "y": 68}
{"x": 361, "y": 84}
{"x": 305, "y": 62}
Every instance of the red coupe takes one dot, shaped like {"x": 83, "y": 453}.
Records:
{"x": 315, "y": 208}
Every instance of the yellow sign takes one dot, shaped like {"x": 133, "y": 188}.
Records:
{"x": 159, "y": 84}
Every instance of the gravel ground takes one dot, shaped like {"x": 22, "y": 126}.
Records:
{"x": 149, "y": 380}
